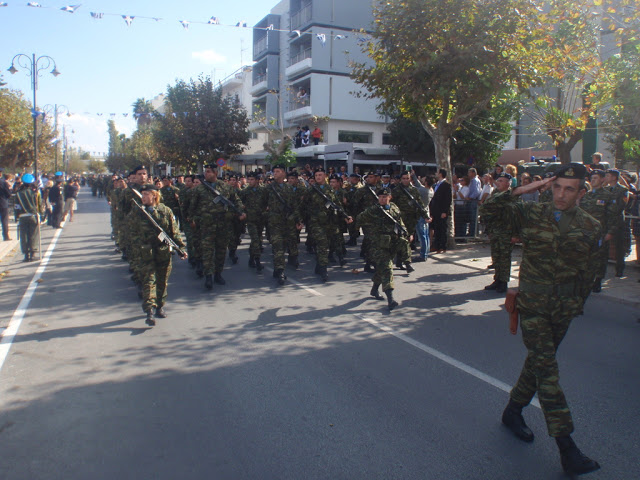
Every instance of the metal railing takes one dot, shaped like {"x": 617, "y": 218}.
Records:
{"x": 261, "y": 45}
{"x": 259, "y": 78}
{"x": 301, "y": 17}
{"x": 300, "y": 56}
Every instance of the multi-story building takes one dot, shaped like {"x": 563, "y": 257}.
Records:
{"x": 301, "y": 77}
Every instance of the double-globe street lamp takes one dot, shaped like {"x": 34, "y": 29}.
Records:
{"x": 34, "y": 66}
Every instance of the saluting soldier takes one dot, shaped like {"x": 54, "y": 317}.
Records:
{"x": 621, "y": 233}
{"x": 384, "y": 226}
{"x": 559, "y": 261}
{"x": 155, "y": 255}
{"x": 284, "y": 222}
{"x": 213, "y": 219}
{"x": 495, "y": 214}
{"x": 254, "y": 199}
{"x": 598, "y": 203}
{"x": 31, "y": 207}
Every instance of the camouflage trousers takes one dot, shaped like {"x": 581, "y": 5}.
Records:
{"x": 501, "y": 248}
{"x": 603, "y": 259}
{"x": 544, "y": 323}
{"x": 237, "y": 229}
{"x": 29, "y": 233}
{"x": 283, "y": 238}
{"x": 154, "y": 271}
{"x": 188, "y": 233}
{"x": 255, "y": 230}
{"x": 214, "y": 240}
{"x": 384, "y": 249}
{"x": 320, "y": 235}
{"x": 622, "y": 243}
{"x": 336, "y": 239}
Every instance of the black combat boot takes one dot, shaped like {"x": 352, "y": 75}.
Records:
{"x": 258, "y": 265}
{"x": 513, "y": 420}
{"x": 293, "y": 261}
{"x": 391, "y": 303}
{"x": 316, "y": 270}
{"x": 160, "y": 313}
{"x": 199, "y": 269}
{"x": 353, "y": 241}
{"x": 574, "y": 462}
{"x": 233, "y": 257}
{"x": 375, "y": 292}
{"x": 208, "y": 282}
{"x": 368, "y": 269}
{"x": 341, "y": 260}
{"x": 280, "y": 276}
{"x": 149, "y": 320}
{"x": 324, "y": 275}
{"x": 501, "y": 287}
{"x": 252, "y": 262}
{"x": 217, "y": 278}
{"x": 597, "y": 286}
{"x": 124, "y": 255}
{"x": 399, "y": 263}
{"x": 27, "y": 257}
{"x": 139, "y": 287}
{"x": 331, "y": 257}
{"x": 493, "y": 286}
{"x": 408, "y": 267}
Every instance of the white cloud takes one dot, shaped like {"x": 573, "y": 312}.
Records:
{"x": 209, "y": 57}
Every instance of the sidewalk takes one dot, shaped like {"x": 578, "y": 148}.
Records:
{"x": 477, "y": 255}
{"x": 14, "y": 244}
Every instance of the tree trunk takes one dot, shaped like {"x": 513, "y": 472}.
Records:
{"x": 564, "y": 149}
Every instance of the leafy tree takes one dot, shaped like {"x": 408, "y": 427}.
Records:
{"x": 120, "y": 157}
{"x": 96, "y": 166}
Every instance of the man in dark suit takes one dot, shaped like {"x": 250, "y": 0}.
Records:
{"x": 5, "y": 195}
{"x": 439, "y": 208}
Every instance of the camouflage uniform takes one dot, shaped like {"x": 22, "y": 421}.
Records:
{"x": 385, "y": 242}
{"x": 364, "y": 198}
{"x": 126, "y": 205}
{"x": 170, "y": 197}
{"x": 410, "y": 214}
{"x": 155, "y": 256}
{"x": 619, "y": 227}
{"x": 546, "y": 196}
{"x": 116, "y": 219}
{"x": 31, "y": 207}
{"x": 338, "y": 227}
{"x": 495, "y": 215}
{"x": 560, "y": 258}
{"x": 193, "y": 241}
{"x": 255, "y": 204}
{"x": 599, "y": 204}
{"x": 323, "y": 221}
{"x": 214, "y": 222}
{"x": 282, "y": 222}
{"x": 353, "y": 229}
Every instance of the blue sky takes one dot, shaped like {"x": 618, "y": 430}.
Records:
{"x": 106, "y": 65}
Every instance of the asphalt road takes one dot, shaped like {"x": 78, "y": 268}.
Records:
{"x": 306, "y": 381}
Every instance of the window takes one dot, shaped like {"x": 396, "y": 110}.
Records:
{"x": 354, "y": 137}
{"x": 386, "y": 139}
{"x": 254, "y": 136}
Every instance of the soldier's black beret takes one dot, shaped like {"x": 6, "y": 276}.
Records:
{"x": 572, "y": 171}
{"x": 384, "y": 191}
{"x": 504, "y": 175}
{"x": 137, "y": 169}
{"x": 335, "y": 177}
{"x": 613, "y": 171}
{"x": 148, "y": 186}
{"x": 319, "y": 169}
{"x": 386, "y": 175}
{"x": 292, "y": 173}
{"x": 598, "y": 172}
{"x": 355, "y": 175}
{"x": 212, "y": 166}
{"x": 280, "y": 166}
{"x": 252, "y": 175}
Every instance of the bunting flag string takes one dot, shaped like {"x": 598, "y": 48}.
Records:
{"x": 213, "y": 20}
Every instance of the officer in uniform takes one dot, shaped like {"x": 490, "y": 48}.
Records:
{"x": 387, "y": 239}
{"x": 171, "y": 197}
{"x": 411, "y": 211}
{"x": 139, "y": 178}
{"x": 560, "y": 258}
{"x": 495, "y": 215}
{"x": 354, "y": 185}
{"x": 621, "y": 233}
{"x": 31, "y": 207}
{"x": 364, "y": 198}
{"x": 598, "y": 203}
{"x": 254, "y": 199}
{"x": 214, "y": 221}
{"x": 155, "y": 255}
{"x": 284, "y": 221}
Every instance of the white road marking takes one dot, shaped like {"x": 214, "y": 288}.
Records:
{"x": 11, "y": 331}
{"x": 444, "y": 357}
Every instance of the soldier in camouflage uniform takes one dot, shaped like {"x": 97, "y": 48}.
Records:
{"x": 387, "y": 239}
{"x": 495, "y": 214}
{"x": 321, "y": 221}
{"x": 299, "y": 189}
{"x": 214, "y": 221}
{"x": 155, "y": 255}
{"x": 31, "y": 206}
{"x": 184, "y": 198}
{"x": 599, "y": 204}
{"x": 139, "y": 178}
{"x": 284, "y": 222}
{"x": 338, "y": 227}
{"x": 116, "y": 215}
{"x": 170, "y": 197}
{"x": 354, "y": 230}
{"x": 408, "y": 199}
{"x": 237, "y": 225}
{"x": 254, "y": 198}
{"x": 364, "y": 198}
{"x": 620, "y": 229}
{"x": 560, "y": 256}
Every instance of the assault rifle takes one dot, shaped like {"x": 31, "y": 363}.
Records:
{"x": 287, "y": 208}
{"x": 399, "y": 228}
{"x": 221, "y": 199}
{"x": 162, "y": 235}
{"x": 414, "y": 203}
{"x": 328, "y": 203}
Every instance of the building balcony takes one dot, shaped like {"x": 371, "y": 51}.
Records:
{"x": 298, "y": 113}
{"x": 302, "y": 17}
{"x": 261, "y": 46}
{"x": 299, "y": 63}
{"x": 259, "y": 87}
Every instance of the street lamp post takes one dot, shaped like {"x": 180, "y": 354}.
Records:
{"x": 34, "y": 66}
{"x": 57, "y": 109}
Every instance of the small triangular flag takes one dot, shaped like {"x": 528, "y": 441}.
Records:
{"x": 214, "y": 21}
{"x": 241, "y": 24}
{"x": 297, "y": 32}
{"x": 322, "y": 37}
{"x": 185, "y": 24}
{"x": 96, "y": 15}
{"x": 70, "y": 8}
{"x": 33, "y": 4}
{"x": 128, "y": 19}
